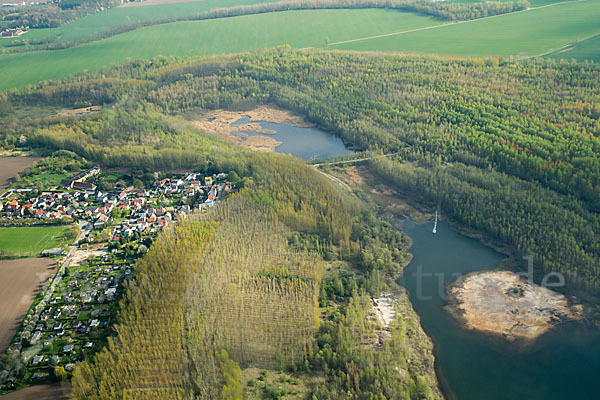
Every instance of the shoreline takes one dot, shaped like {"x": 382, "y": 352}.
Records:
{"x": 220, "y": 123}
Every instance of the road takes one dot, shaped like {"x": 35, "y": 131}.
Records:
{"x": 61, "y": 270}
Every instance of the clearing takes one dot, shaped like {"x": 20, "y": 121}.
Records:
{"x": 30, "y": 241}
{"x": 20, "y": 281}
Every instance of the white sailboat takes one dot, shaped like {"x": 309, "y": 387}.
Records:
{"x": 435, "y": 223}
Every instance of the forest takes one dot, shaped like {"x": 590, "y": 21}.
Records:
{"x": 248, "y": 292}
{"x": 507, "y": 148}
{"x": 524, "y": 128}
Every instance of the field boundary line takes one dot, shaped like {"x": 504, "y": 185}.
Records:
{"x": 453, "y": 23}
{"x": 563, "y": 47}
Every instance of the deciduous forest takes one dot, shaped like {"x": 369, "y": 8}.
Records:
{"x": 506, "y": 148}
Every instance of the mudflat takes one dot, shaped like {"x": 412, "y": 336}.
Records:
{"x": 10, "y": 166}
{"x": 20, "y": 281}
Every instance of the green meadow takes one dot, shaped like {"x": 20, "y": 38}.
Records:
{"x": 526, "y": 33}
{"x": 588, "y": 49}
{"x": 523, "y": 34}
{"x": 100, "y": 22}
{"x": 30, "y": 241}
{"x": 311, "y": 28}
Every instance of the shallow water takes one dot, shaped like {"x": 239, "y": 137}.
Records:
{"x": 305, "y": 143}
{"x": 562, "y": 364}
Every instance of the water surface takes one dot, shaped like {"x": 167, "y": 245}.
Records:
{"x": 562, "y": 364}
{"x": 305, "y": 143}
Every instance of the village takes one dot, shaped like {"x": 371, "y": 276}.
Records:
{"x": 72, "y": 317}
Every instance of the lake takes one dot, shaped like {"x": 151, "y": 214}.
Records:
{"x": 305, "y": 143}
{"x": 562, "y": 364}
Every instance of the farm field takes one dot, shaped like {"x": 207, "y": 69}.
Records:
{"x": 56, "y": 391}
{"x": 30, "y": 241}
{"x": 19, "y": 280}
{"x": 528, "y": 33}
{"x": 195, "y": 38}
{"x": 10, "y": 166}
{"x": 532, "y": 3}
{"x": 588, "y": 49}
{"x": 93, "y": 24}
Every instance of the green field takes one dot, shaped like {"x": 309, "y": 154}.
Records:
{"x": 588, "y": 49}
{"x": 32, "y": 240}
{"x": 297, "y": 28}
{"x": 533, "y": 3}
{"x": 527, "y": 33}
{"x": 100, "y": 22}
{"x": 48, "y": 179}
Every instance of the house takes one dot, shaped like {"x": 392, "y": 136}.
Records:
{"x": 37, "y": 335}
{"x": 76, "y": 181}
{"x": 98, "y": 225}
{"x": 12, "y": 206}
{"x": 37, "y": 359}
{"x": 208, "y": 181}
{"x": 9, "y": 33}
{"x": 68, "y": 348}
{"x": 53, "y": 252}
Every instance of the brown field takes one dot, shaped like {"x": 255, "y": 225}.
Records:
{"x": 56, "y": 391}
{"x": 9, "y": 166}
{"x": 20, "y": 281}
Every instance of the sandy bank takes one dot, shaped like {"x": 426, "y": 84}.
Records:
{"x": 501, "y": 302}
{"x": 218, "y": 122}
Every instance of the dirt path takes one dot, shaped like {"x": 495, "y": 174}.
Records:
{"x": 20, "y": 280}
